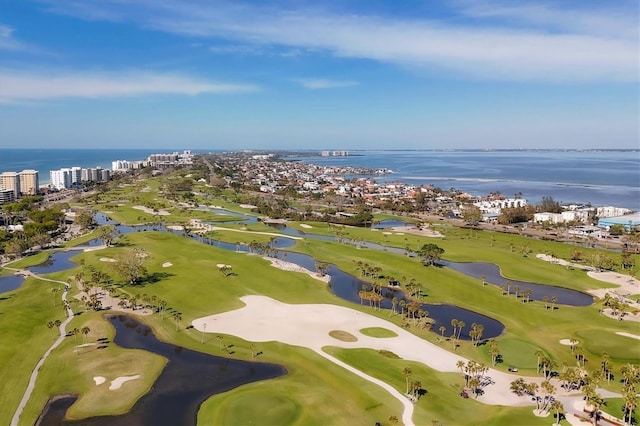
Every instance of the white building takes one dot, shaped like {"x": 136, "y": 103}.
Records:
{"x": 60, "y": 179}
{"x": 610, "y": 211}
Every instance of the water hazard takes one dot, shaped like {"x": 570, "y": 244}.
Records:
{"x": 188, "y": 379}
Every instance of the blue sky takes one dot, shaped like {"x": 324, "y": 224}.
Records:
{"x": 344, "y": 74}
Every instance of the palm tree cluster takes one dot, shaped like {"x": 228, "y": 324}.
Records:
{"x": 544, "y": 364}
{"x": 474, "y": 375}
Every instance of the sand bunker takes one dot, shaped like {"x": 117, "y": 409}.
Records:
{"x": 624, "y": 333}
{"x": 304, "y": 225}
{"x": 222, "y": 265}
{"x": 175, "y": 227}
{"x": 107, "y": 259}
{"x": 566, "y": 342}
{"x": 99, "y": 380}
{"x": 117, "y": 383}
{"x": 167, "y": 264}
{"x": 147, "y": 210}
{"x": 248, "y": 206}
{"x": 289, "y": 266}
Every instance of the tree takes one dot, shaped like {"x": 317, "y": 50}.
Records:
{"x": 85, "y": 331}
{"x": 107, "y": 233}
{"x": 130, "y": 265}
{"x": 177, "y": 316}
{"x": 75, "y": 333}
{"x": 549, "y": 205}
{"x": 442, "y": 329}
{"x": 494, "y": 352}
{"x": 322, "y": 268}
{"x": 558, "y": 409}
{"x": 472, "y": 215}
{"x": 406, "y": 372}
{"x": 430, "y": 254}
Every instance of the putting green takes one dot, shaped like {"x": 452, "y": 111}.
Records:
{"x": 343, "y": 336}
{"x": 518, "y": 353}
{"x": 377, "y": 332}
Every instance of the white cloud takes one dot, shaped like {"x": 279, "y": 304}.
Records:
{"x": 323, "y": 83}
{"x": 27, "y": 86}
{"x": 531, "y": 42}
{"x": 7, "y": 41}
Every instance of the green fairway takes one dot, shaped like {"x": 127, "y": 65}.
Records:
{"x": 184, "y": 273}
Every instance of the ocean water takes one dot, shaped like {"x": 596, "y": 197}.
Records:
{"x": 596, "y": 177}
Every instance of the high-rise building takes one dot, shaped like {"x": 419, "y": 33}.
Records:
{"x": 29, "y": 182}
{"x": 60, "y": 179}
{"x": 76, "y": 175}
{"x": 11, "y": 181}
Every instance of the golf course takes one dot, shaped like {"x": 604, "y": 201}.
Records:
{"x": 274, "y": 341}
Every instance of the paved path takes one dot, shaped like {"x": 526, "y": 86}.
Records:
{"x": 36, "y": 370}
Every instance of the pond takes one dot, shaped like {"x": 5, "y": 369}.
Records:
{"x": 347, "y": 286}
{"x": 188, "y": 379}
{"x": 493, "y": 276}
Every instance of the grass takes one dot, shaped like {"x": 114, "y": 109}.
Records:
{"x": 343, "y": 336}
{"x": 377, "y": 332}
{"x": 441, "y": 402}
{"x": 314, "y": 391}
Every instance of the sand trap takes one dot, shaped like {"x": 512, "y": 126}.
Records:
{"x": 289, "y": 266}
{"x": 416, "y": 231}
{"x": 399, "y": 233}
{"x": 304, "y": 225}
{"x": 566, "y": 342}
{"x": 624, "y": 333}
{"x": 147, "y": 210}
{"x": 99, "y": 380}
{"x": 167, "y": 264}
{"x": 248, "y": 206}
{"x": 117, "y": 383}
{"x": 222, "y": 265}
{"x": 388, "y": 233}
{"x": 263, "y": 319}
{"x": 107, "y": 259}
{"x": 176, "y": 227}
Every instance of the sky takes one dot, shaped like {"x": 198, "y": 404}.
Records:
{"x": 336, "y": 74}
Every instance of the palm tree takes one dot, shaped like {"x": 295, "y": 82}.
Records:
{"x": 484, "y": 279}
{"x": 454, "y": 325}
{"x": 55, "y": 291}
{"x": 442, "y": 330}
{"x": 85, "y": 330}
{"x": 75, "y": 333}
{"x": 178, "y": 317}
{"x": 539, "y": 355}
{"x": 558, "y": 409}
{"x": 554, "y": 300}
{"x": 461, "y": 325}
{"x": 406, "y": 372}
{"x": 220, "y": 341}
{"x": 545, "y": 299}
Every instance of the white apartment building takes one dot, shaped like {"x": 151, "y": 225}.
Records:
{"x": 60, "y": 179}
{"x": 10, "y": 181}
{"x": 610, "y": 211}
{"x": 29, "y": 182}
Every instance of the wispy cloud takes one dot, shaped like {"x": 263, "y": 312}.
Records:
{"x": 598, "y": 44}
{"x": 323, "y": 83}
{"x": 20, "y": 86}
{"x": 7, "y": 41}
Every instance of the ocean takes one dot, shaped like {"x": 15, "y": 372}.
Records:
{"x": 601, "y": 178}
{"x": 596, "y": 177}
